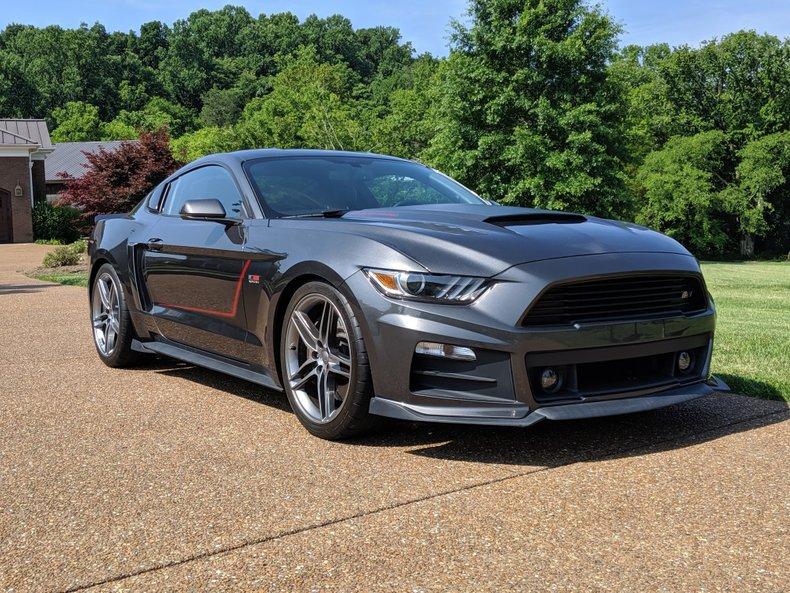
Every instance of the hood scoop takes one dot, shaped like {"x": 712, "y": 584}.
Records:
{"x": 532, "y": 218}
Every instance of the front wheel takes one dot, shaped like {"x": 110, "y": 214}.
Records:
{"x": 326, "y": 374}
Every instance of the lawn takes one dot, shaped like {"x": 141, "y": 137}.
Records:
{"x": 69, "y": 278}
{"x": 752, "y": 346}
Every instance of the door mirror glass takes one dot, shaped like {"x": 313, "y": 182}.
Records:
{"x": 207, "y": 208}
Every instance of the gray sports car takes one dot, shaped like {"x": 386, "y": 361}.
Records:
{"x": 365, "y": 285}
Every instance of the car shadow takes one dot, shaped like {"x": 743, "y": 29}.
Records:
{"x": 546, "y": 444}
{"x": 24, "y": 288}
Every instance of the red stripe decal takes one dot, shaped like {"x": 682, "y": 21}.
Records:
{"x": 226, "y": 314}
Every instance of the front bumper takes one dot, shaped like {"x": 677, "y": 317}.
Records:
{"x": 498, "y": 390}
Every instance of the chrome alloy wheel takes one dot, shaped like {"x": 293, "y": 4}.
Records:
{"x": 318, "y": 358}
{"x": 105, "y": 314}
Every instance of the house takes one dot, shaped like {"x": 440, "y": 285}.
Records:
{"x": 24, "y": 146}
{"x": 69, "y": 158}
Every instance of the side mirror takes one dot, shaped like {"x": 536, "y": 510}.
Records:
{"x": 209, "y": 209}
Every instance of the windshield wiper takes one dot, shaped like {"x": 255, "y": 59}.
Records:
{"x": 325, "y": 214}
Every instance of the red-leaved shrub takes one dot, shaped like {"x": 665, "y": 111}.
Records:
{"x": 116, "y": 180}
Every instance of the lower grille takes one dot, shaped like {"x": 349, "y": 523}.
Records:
{"x": 618, "y": 298}
{"x": 596, "y": 372}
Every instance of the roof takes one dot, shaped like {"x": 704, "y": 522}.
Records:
{"x": 241, "y": 156}
{"x": 25, "y": 132}
{"x": 303, "y": 152}
{"x": 69, "y": 158}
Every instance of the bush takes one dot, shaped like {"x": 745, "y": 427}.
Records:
{"x": 79, "y": 246}
{"x": 116, "y": 180}
{"x": 64, "y": 255}
{"x": 55, "y": 223}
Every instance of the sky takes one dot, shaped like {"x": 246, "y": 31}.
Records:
{"x": 424, "y": 22}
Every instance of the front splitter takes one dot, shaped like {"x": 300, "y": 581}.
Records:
{"x": 520, "y": 415}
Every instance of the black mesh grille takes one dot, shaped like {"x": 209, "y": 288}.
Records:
{"x": 623, "y": 297}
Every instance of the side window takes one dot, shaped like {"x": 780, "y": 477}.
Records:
{"x": 154, "y": 198}
{"x": 201, "y": 184}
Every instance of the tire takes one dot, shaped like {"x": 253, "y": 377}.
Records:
{"x": 342, "y": 411}
{"x": 113, "y": 351}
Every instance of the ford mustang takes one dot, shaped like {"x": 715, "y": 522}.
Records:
{"x": 365, "y": 286}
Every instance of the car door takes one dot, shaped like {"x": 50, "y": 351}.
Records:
{"x": 194, "y": 270}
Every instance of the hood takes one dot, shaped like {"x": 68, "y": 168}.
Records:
{"x": 482, "y": 240}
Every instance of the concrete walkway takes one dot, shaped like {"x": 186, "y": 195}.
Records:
{"x": 172, "y": 478}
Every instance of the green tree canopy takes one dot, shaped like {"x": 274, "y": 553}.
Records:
{"x": 682, "y": 184}
{"x": 528, "y": 112}
{"x": 306, "y": 107}
{"x": 77, "y": 122}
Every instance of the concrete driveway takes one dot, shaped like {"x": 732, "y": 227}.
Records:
{"x": 172, "y": 478}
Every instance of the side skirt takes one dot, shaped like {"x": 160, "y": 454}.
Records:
{"x": 204, "y": 360}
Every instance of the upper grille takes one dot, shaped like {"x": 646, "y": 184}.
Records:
{"x": 623, "y": 297}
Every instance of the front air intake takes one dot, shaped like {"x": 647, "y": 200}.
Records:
{"x": 618, "y": 298}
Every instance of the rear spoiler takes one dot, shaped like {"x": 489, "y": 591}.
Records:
{"x": 546, "y": 217}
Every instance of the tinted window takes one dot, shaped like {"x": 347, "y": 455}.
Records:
{"x": 303, "y": 185}
{"x": 154, "y": 199}
{"x": 205, "y": 183}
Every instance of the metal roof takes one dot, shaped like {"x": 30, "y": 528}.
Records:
{"x": 69, "y": 158}
{"x": 25, "y": 132}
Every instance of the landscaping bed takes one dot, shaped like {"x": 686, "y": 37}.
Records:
{"x": 70, "y": 275}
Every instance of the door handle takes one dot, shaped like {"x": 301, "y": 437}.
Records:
{"x": 155, "y": 244}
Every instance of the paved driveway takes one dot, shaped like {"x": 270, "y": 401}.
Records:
{"x": 174, "y": 478}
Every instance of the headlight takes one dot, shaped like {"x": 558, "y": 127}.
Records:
{"x": 427, "y": 287}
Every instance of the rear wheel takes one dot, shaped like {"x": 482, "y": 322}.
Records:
{"x": 112, "y": 326}
{"x": 325, "y": 365}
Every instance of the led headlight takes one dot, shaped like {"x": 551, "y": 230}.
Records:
{"x": 427, "y": 287}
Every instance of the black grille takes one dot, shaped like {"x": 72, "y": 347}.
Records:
{"x": 618, "y": 298}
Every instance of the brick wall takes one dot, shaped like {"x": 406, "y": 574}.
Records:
{"x": 15, "y": 170}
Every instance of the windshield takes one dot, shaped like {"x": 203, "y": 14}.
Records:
{"x": 293, "y": 186}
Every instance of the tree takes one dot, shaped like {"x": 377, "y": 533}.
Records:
{"x": 115, "y": 181}
{"x": 158, "y": 113}
{"x": 205, "y": 141}
{"x": 682, "y": 184}
{"x": 77, "y": 122}
{"x": 760, "y": 198}
{"x": 529, "y": 115}
{"x": 308, "y": 107}
{"x": 221, "y": 107}
{"x": 405, "y": 125}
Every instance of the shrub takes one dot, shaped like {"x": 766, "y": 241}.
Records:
{"x": 55, "y": 223}
{"x": 79, "y": 246}
{"x": 115, "y": 181}
{"x": 65, "y": 255}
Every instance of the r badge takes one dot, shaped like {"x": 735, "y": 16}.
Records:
{"x": 254, "y": 279}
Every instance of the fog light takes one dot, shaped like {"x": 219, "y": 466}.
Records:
{"x": 684, "y": 361}
{"x": 549, "y": 380}
{"x": 445, "y": 351}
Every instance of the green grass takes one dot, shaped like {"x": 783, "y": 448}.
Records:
{"x": 752, "y": 346}
{"x": 68, "y": 278}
